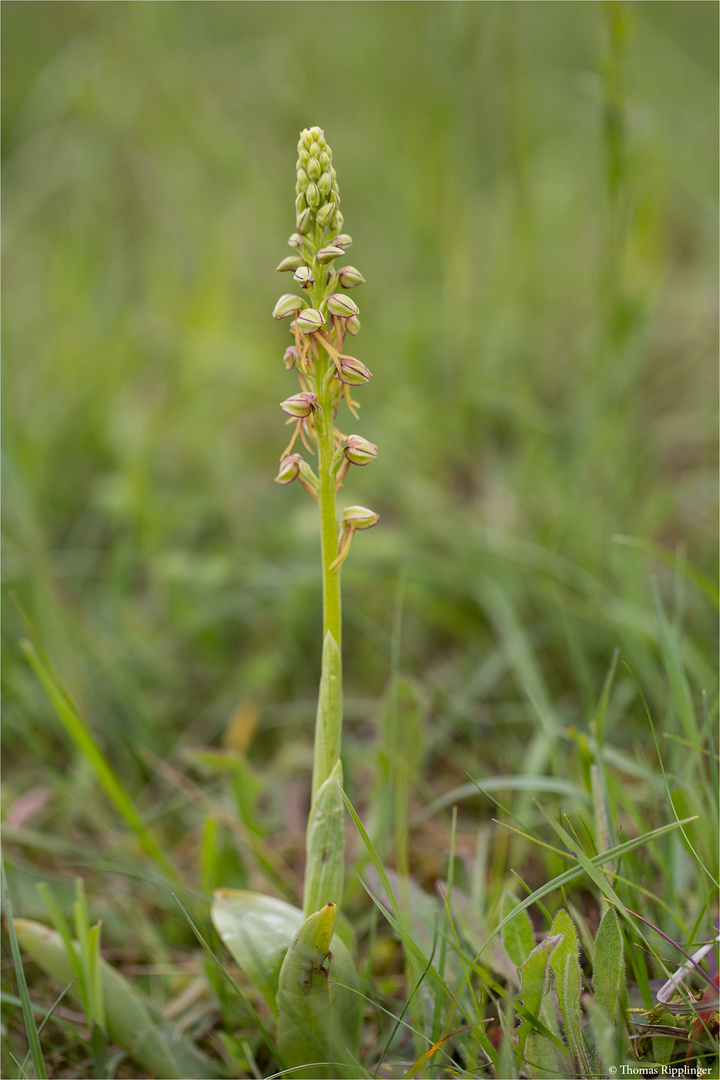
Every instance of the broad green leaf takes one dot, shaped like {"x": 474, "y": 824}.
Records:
{"x": 318, "y": 1012}
{"x": 325, "y": 864}
{"x": 609, "y": 965}
{"x": 258, "y": 930}
{"x": 130, "y": 1019}
{"x": 532, "y": 989}
{"x": 565, "y": 966}
{"x": 518, "y": 932}
{"x": 328, "y": 724}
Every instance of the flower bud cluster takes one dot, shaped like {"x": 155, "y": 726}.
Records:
{"x": 320, "y": 320}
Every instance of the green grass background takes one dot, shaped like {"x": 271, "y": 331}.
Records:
{"x": 531, "y": 191}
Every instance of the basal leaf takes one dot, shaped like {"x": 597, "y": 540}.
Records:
{"x": 532, "y": 989}
{"x": 565, "y": 966}
{"x": 609, "y": 965}
{"x": 319, "y": 1011}
{"x": 258, "y": 930}
{"x": 130, "y": 1019}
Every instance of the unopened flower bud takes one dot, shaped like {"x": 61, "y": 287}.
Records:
{"x": 289, "y": 469}
{"x": 296, "y": 240}
{"x": 325, "y": 157}
{"x": 290, "y": 357}
{"x": 314, "y": 169}
{"x": 312, "y": 194}
{"x": 300, "y": 203}
{"x": 299, "y": 405}
{"x": 308, "y": 479}
{"x": 304, "y": 276}
{"x": 291, "y": 263}
{"x": 310, "y": 320}
{"x": 359, "y": 517}
{"x": 302, "y": 180}
{"x": 316, "y": 149}
{"x": 358, "y": 450}
{"x": 327, "y": 254}
{"x": 325, "y": 184}
{"x": 287, "y": 305}
{"x": 304, "y": 221}
{"x": 352, "y": 325}
{"x": 343, "y": 241}
{"x": 338, "y": 304}
{"x": 325, "y": 214}
{"x": 303, "y": 155}
{"x": 353, "y": 371}
{"x": 339, "y": 220}
{"x": 349, "y": 277}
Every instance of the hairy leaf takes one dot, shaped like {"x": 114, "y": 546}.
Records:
{"x": 565, "y": 966}
{"x": 609, "y": 965}
{"x": 532, "y": 989}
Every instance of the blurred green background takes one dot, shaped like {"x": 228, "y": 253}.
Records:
{"x": 531, "y": 191}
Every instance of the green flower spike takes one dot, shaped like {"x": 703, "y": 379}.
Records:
{"x": 303, "y": 969}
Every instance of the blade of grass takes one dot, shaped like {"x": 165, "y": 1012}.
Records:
{"x": 699, "y": 861}
{"x": 243, "y": 997}
{"x": 78, "y": 730}
{"x": 577, "y": 871}
{"x": 27, "y": 1009}
{"x": 703, "y": 583}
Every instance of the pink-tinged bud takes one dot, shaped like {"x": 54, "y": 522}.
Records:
{"x": 290, "y": 357}
{"x": 303, "y": 222}
{"x": 327, "y": 254}
{"x": 295, "y": 240}
{"x": 291, "y": 263}
{"x": 304, "y": 277}
{"x": 352, "y": 325}
{"x": 310, "y": 321}
{"x": 289, "y": 469}
{"x": 359, "y": 517}
{"x": 349, "y": 277}
{"x": 299, "y": 405}
{"x": 287, "y": 305}
{"x": 358, "y": 450}
{"x": 325, "y": 214}
{"x": 337, "y": 304}
{"x": 353, "y": 371}
{"x": 343, "y": 241}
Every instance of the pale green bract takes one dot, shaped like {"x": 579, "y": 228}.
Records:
{"x": 326, "y": 845}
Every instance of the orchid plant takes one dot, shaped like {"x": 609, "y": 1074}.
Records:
{"x": 297, "y": 958}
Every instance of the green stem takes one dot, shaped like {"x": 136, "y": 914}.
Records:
{"x": 324, "y": 426}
